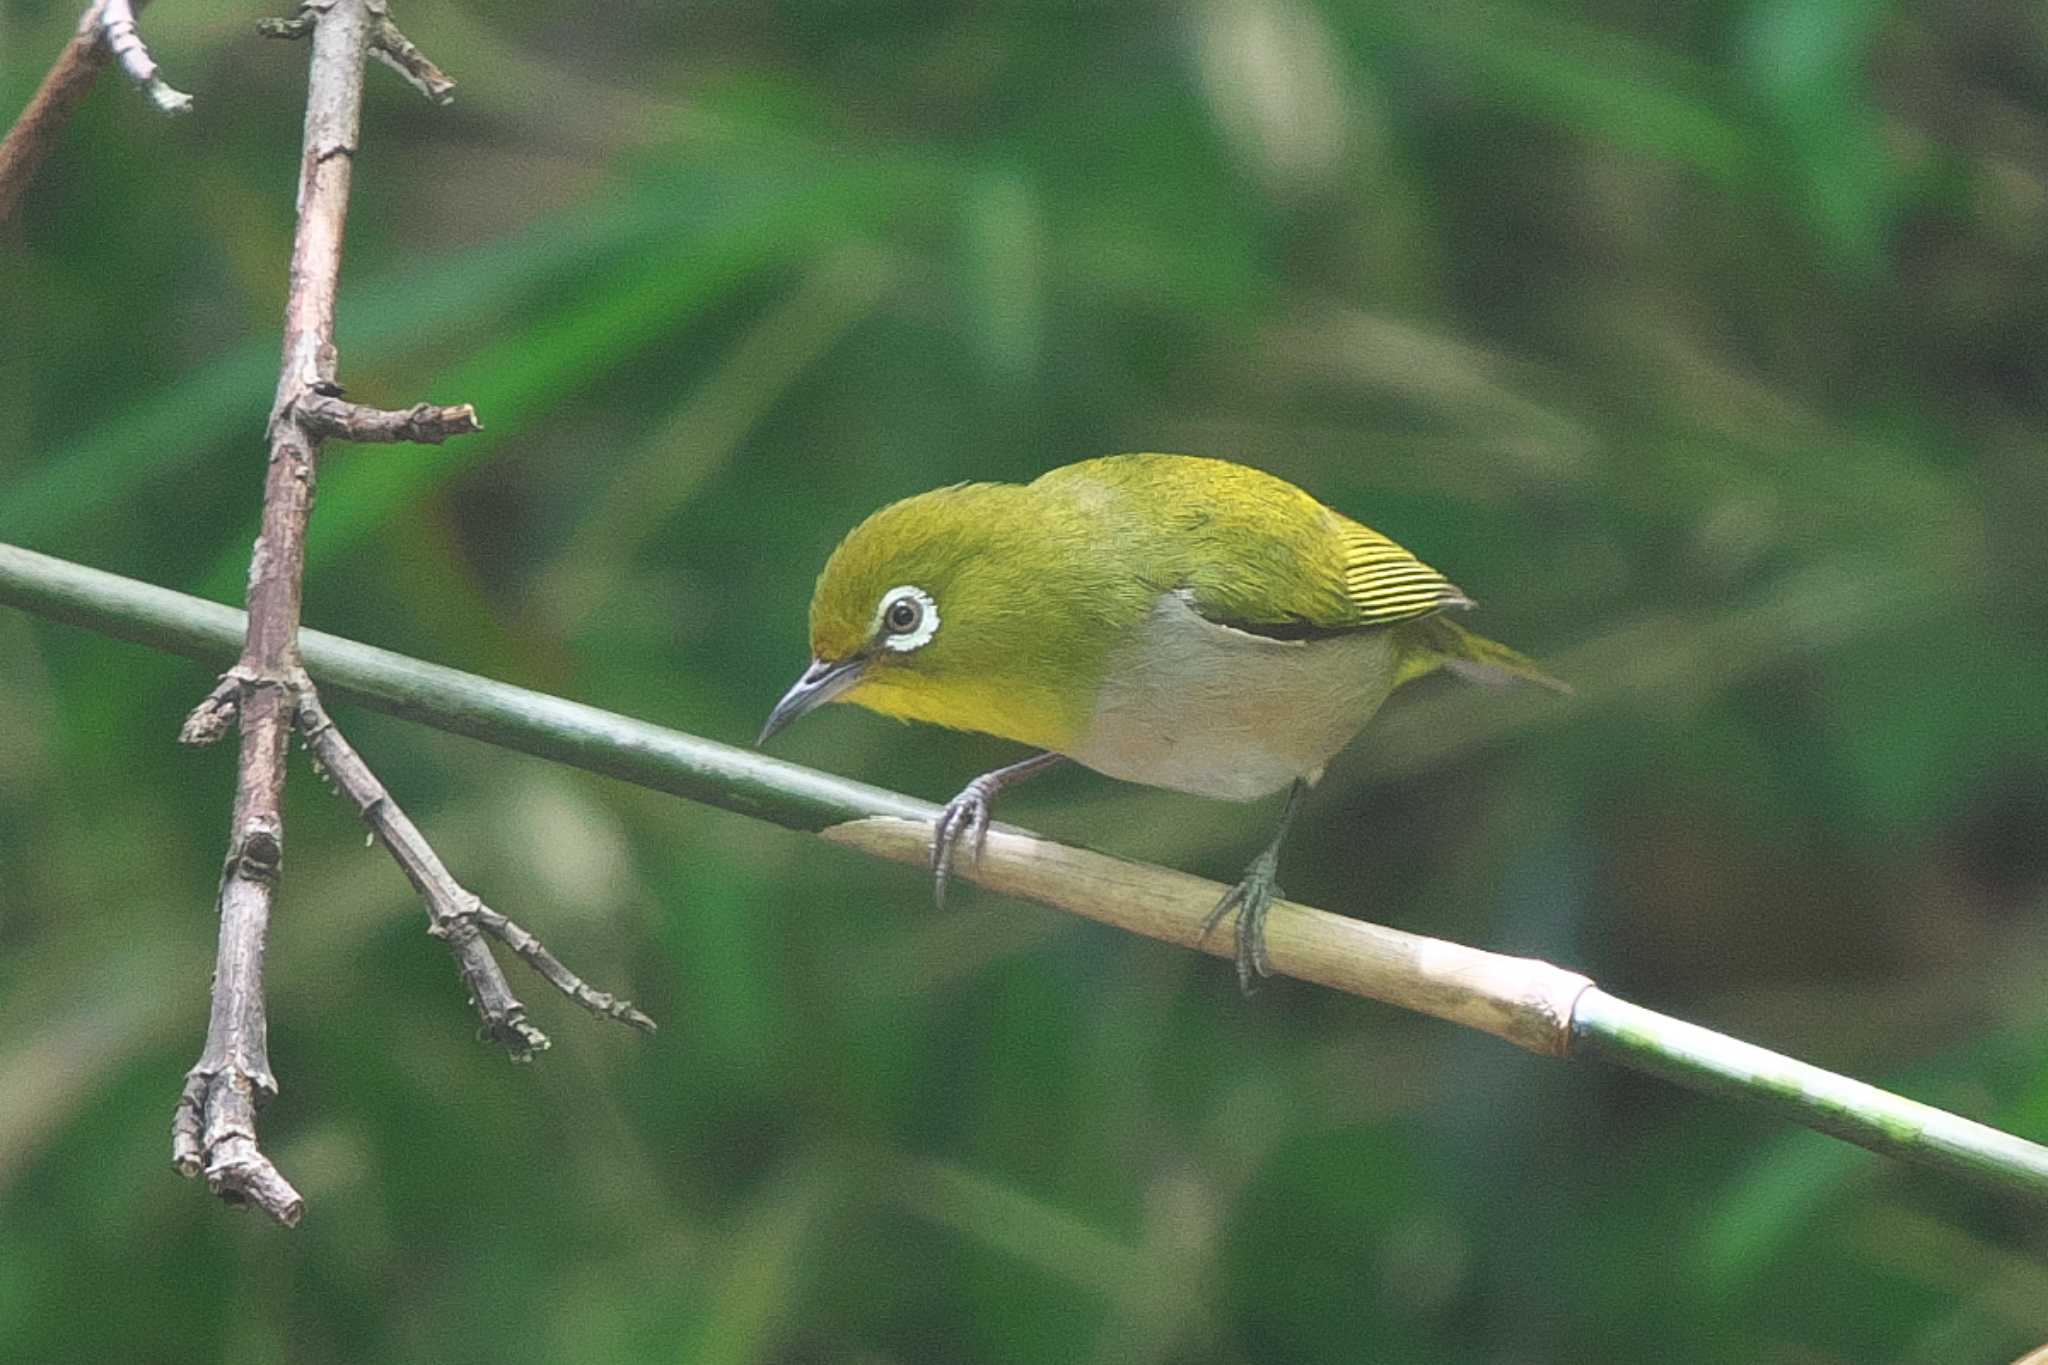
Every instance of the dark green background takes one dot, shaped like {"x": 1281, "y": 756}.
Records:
{"x": 1703, "y": 343}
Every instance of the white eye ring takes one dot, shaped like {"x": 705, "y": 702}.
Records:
{"x": 907, "y": 618}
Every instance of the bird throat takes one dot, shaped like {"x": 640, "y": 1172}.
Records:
{"x": 1028, "y": 714}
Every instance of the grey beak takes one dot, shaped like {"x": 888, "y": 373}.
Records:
{"x": 821, "y": 682}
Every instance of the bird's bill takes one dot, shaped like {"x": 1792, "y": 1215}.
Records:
{"x": 823, "y": 681}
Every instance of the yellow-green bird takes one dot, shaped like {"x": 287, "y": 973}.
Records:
{"x": 1183, "y": 622}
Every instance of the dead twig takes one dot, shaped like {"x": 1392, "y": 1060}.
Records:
{"x": 117, "y": 22}
{"x": 387, "y": 44}
{"x": 269, "y": 694}
{"x": 454, "y": 915}
{"x": 396, "y": 51}
{"x": 336, "y": 419}
{"x": 214, "y": 1129}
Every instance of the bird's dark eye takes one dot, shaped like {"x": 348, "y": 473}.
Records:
{"x": 907, "y": 619}
{"x": 905, "y": 614}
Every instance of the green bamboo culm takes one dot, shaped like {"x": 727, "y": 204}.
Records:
{"x": 460, "y": 703}
{"x": 1536, "y": 1005}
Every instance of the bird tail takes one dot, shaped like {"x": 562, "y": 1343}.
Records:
{"x": 1438, "y": 642}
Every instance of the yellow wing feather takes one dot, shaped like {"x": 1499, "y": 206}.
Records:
{"x": 1386, "y": 583}
{"x": 1253, "y": 550}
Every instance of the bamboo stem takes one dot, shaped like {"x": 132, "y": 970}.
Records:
{"x": 1535, "y": 1005}
{"x": 1701, "y": 1059}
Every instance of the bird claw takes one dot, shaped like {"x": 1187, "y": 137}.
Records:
{"x": 1251, "y": 899}
{"x": 966, "y": 817}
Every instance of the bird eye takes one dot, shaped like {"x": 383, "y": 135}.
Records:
{"x": 904, "y": 616}
{"x": 907, "y": 618}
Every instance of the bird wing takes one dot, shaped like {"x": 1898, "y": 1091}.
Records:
{"x": 1251, "y": 550}
{"x": 1313, "y": 580}
{"x": 1385, "y": 583}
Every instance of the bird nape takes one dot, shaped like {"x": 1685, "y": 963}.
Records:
{"x": 1178, "y": 621}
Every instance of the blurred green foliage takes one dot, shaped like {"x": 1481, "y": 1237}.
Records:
{"x": 1702, "y": 341}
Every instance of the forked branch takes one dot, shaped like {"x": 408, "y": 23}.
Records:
{"x": 214, "y": 1129}
{"x": 268, "y": 693}
{"x": 454, "y": 915}
{"x": 387, "y": 44}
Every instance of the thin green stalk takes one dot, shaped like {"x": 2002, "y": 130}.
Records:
{"x": 463, "y": 703}
{"x": 1533, "y": 1004}
{"x": 1702, "y": 1059}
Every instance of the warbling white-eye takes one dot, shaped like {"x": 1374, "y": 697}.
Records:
{"x": 1183, "y": 622}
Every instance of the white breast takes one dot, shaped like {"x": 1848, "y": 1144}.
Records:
{"x": 1197, "y": 707}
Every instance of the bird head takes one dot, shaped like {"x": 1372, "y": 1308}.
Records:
{"x": 952, "y": 607}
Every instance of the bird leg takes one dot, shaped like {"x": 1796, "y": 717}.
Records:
{"x": 1253, "y": 896}
{"x": 966, "y": 816}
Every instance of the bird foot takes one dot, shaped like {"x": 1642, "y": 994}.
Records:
{"x": 1251, "y": 899}
{"x": 963, "y": 821}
